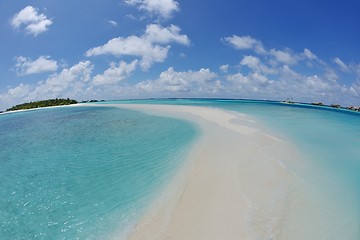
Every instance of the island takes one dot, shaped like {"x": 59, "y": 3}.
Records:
{"x": 43, "y": 103}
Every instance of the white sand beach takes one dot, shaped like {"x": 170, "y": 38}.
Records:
{"x": 235, "y": 184}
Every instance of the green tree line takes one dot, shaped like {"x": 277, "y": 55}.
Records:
{"x": 43, "y": 103}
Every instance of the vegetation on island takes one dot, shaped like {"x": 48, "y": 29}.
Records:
{"x": 43, "y": 103}
{"x": 92, "y": 101}
{"x": 351, "y": 108}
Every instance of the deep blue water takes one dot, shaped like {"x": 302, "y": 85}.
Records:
{"x": 82, "y": 172}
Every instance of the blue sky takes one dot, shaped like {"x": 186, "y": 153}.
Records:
{"x": 304, "y": 50}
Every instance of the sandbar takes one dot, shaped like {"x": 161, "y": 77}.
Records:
{"x": 234, "y": 185}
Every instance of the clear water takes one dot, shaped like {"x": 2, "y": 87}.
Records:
{"x": 325, "y": 203}
{"x": 83, "y": 172}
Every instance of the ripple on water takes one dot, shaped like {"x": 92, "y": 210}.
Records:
{"x": 80, "y": 172}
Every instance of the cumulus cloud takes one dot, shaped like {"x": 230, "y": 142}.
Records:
{"x": 248, "y": 84}
{"x": 256, "y": 65}
{"x": 132, "y": 46}
{"x": 288, "y": 83}
{"x": 19, "y": 91}
{"x": 262, "y": 74}
{"x": 162, "y": 8}
{"x": 71, "y": 82}
{"x": 274, "y": 74}
{"x": 157, "y": 34}
{"x": 317, "y": 83}
{"x": 173, "y": 81}
{"x": 33, "y": 22}
{"x": 14, "y": 96}
{"x": 224, "y": 68}
{"x": 287, "y": 72}
{"x": 151, "y": 47}
{"x": 331, "y": 75}
{"x": 250, "y": 61}
{"x": 284, "y": 56}
{"x": 276, "y": 56}
{"x": 25, "y": 66}
{"x": 244, "y": 43}
{"x": 115, "y": 74}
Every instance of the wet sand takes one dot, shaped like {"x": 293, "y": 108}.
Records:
{"x": 234, "y": 184}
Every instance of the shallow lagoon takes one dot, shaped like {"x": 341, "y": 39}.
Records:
{"x": 328, "y": 139}
{"x": 81, "y": 172}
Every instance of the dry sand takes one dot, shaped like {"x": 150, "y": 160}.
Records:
{"x": 234, "y": 186}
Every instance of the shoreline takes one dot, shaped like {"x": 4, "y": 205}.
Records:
{"x": 39, "y": 108}
{"x": 219, "y": 194}
{"x": 241, "y": 180}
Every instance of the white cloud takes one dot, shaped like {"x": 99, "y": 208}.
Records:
{"x": 254, "y": 79}
{"x": 341, "y": 64}
{"x": 259, "y": 78}
{"x": 224, "y": 68}
{"x": 33, "y": 22}
{"x": 70, "y": 82}
{"x": 162, "y": 8}
{"x": 115, "y": 74}
{"x": 237, "y": 79}
{"x": 182, "y": 55}
{"x": 275, "y": 56}
{"x": 14, "y": 96}
{"x": 316, "y": 87}
{"x": 318, "y": 82}
{"x": 133, "y": 46}
{"x": 288, "y": 73}
{"x": 259, "y": 86}
{"x": 309, "y": 55}
{"x": 245, "y": 86}
{"x": 281, "y": 81}
{"x": 19, "y": 91}
{"x": 284, "y": 56}
{"x": 331, "y": 75}
{"x": 250, "y": 61}
{"x": 245, "y": 42}
{"x": 355, "y": 89}
{"x": 157, "y": 34}
{"x": 24, "y": 66}
{"x": 112, "y": 23}
{"x": 255, "y": 64}
{"x": 151, "y": 47}
{"x": 173, "y": 81}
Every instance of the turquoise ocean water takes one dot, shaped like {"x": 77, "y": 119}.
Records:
{"x": 82, "y": 172}
{"x": 326, "y": 198}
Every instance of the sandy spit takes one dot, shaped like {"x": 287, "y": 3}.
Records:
{"x": 235, "y": 184}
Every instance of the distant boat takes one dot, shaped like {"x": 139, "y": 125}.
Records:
{"x": 288, "y": 101}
